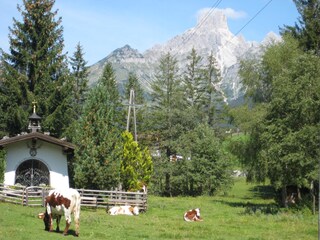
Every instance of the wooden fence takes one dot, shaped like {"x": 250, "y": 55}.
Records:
{"x": 34, "y": 196}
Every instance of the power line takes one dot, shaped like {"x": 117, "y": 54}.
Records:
{"x": 211, "y": 11}
{"x": 246, "y": 24}
{"x": 214, "y": 6}
{"x": 253, "y": 17}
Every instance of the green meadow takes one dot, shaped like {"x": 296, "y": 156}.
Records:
{"x": 247, "y": 212}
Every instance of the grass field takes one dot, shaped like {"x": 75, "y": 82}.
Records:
{"x": 248, "y": 212}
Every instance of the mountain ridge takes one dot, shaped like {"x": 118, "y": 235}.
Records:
{"x": 210, "y": 34}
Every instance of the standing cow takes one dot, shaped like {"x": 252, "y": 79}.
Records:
{"x": 62, "y": 202}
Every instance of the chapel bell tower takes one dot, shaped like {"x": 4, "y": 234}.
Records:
{"x": 34, "y": 120}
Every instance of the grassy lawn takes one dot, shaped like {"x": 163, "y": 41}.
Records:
{"x": 243, "y": 214}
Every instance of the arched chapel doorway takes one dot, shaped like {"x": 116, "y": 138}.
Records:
{"x": 32, "y": 173}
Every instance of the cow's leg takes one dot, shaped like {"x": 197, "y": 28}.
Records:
{"x": 51, "y": 222}
{"x": 77, "y": 222}
{"x": 68, "y": 223}
{"x": 76, "y": 215}
{"x": 58, "y": 222}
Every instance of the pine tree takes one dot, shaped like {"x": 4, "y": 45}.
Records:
{"x": 108, "y": 79}
{"x": 60, "y": 106}
{"x": 97, "y": 164}
{"x": 213, "y": 103}
{"x": 35, "y": 67}
{"x": 133, "y": 83}
{"x": 307, "y": 30}
{"x": 167, "y": 102}
{"x": 165, "y": 115}
{"x": 79, "y": 79}
{"x": 194, "y": 81}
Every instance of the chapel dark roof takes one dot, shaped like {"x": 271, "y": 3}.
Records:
{"x": 37, "y": 135}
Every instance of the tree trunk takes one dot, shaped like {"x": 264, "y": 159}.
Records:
{"x": 313, "y": 196}
{"x": 284, "y": 196}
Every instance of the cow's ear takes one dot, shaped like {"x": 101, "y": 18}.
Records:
{"x": 41, "y": 215}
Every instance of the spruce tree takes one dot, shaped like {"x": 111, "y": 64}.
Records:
{"x": 307, "y": 29}
{"x": 133, "y": 83}
{"x": 193, "y": 88}
{"x": 167, "y": 102}
{"x": 35, "y": 66}
{"x": 165, "y": 115}
{"x": 194, "y": 81}
{"x": 213, "y": 103}
{"x": 97, "y": 156}
{"x": 79, "y": 79}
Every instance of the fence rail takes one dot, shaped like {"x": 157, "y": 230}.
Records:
{"x": 34, "y": 196}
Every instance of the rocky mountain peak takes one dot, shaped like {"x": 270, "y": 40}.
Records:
{"x": 211, "y": 20}
{"x": 124, "y": 53}
{"x": 211, "y": 34}
{"x": 271, "y": 38}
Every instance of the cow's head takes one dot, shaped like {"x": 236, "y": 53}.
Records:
{"x": 46, "y": 219}
{"x": 197, "y": 211}
{"x": 135, "y": 210}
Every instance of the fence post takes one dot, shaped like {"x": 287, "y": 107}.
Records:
{"x": 42, "y": 196}
{"x": 26, "y": 190}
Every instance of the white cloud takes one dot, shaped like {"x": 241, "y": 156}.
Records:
{"x": 233, "y": 14}
{"x": 228, "y": 12}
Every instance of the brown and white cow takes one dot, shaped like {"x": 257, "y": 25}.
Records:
{"x": 124, "y": 210}
{"x": 192, "y": 215}
{"x": 62, "y": 202}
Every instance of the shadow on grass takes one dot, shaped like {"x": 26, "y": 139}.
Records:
{"x": 252, "y": 208}
{"x": 262, "y": 192}
{"x": 70, "y": 232}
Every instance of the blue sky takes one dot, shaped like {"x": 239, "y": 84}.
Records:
{"x": 101, "y": 26}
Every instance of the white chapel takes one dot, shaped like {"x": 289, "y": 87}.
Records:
{"x": 35, "y": 158}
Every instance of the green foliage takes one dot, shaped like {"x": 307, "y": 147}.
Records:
{"x": 292, "y": 124}
{"x": 97, "y": 134}
{"x": 108, "y": 79}
{"x": 307, "y": 30}
{"x": 139, "y": 101}
{"x": 136, "y": 165}
{"x": 283, "y": 138}
{"x": 133, "y": 83}
{"x": 2, "y": 165}
{"x": 213, "y": 105}
{"x": 34, "y": 68}
{"x": 79, "y": 79}
{"x": 204, "y": 168}
{"x": 167, "y": 102}
{"x": 194, "y": 81}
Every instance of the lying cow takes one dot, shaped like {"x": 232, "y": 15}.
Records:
{"x": 192, "y": 215}
{"x": 58, "y": 203}
{"x": 124, "y": 210}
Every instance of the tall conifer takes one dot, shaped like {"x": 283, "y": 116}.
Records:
{"x": 97, "y": 159}
{"x": 34, "y": 68}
